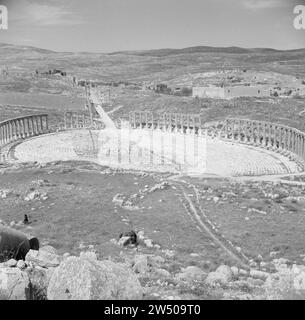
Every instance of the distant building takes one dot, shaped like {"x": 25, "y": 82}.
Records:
{"x": 209, "y": 92}
{"x": 231, "y": 92}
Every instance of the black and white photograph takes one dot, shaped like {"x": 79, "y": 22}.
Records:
{"x": 152, "y": 151}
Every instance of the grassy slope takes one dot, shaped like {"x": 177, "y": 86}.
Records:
{"x": 151, "y": 65}
{"x": 79, "y": 209}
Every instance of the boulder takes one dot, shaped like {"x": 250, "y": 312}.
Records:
{"x": 124, "y": 241}
{"x": 14, "y": 284}
{"x": 11, "y": 263}
{"x": 49, "y": 249}
{"x": 235, "y": 271}
{"x": 148, "y": 243}
{"x": 162, "y": 273}
{"x": 257, "y": 274}
{"x": 128, "y": 238}
{"x": 32, "y": 196}
{"x": 21, "y": 264}
{"x": 39, "y": 279}
{"x": 86, "y": 279}
{"x": 190, "y": 274}
{"x": 43, "y": 258}
{"x": 88, "y": 255}
{"x": 221, "y": 276}
{"x": 279, "y": 286}
{"x": 155, "y": 261}
{"x": 140, "y": 264}
{"x": 286, "y": 284}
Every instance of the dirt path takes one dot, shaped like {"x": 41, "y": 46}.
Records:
{"x": 115, "y": 109}
{"x": 204, "y": 225}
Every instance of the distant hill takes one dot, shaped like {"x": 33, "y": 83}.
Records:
{"x": 151, "y": 65}
{"x": 204, "y": 49}
{"x": 198, "y": 49}
{"x": 11, "y": 48}
{"x": 4, "y": 47}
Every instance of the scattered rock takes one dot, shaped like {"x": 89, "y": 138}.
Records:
{"x": 88, "y": 255}
{"x": 191, "y": 273}
{"x": 148, "y": 243}
{"x": 119, "y": 199}
{"x": 43, "y": 259}
{"x": 11, "y": 263}
{"x": 169, "y": 253}
{"x": 221, "y": 276}
{"x": 286, "y": 284}
{"x": 257, "y": 274}
{"x": 162, "y": 273}
{"x": 123, "y": 242}
{"x": 141, "y": 235}
{"x": 140, "y": 264}
{"x": 195, "y": 255}
{"x": 21, "y": 264}
{"x": 32, "y": 196}
{"x": 5, "y": 193}
{"x": 235, "y": 272}
{"x": 128, "y": 238}
{"x": 35, "y": 195}
{"x": 155, "y": 261}
{"x": 216, "y": 200}
{"x": 243, "y": 272}
{"x": 255, "y": 282}
{"x": 49, "y": 249}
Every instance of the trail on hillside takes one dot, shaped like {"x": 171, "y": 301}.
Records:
{"x": 204, "y": 225}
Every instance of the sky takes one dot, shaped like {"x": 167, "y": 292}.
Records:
{"x": 117, "y": 25}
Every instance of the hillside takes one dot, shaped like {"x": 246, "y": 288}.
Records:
{"x": 150, "y": 65}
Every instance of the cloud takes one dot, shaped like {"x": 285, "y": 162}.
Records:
{"x": 264, "y": 4}
{"x": 45, "y": 13}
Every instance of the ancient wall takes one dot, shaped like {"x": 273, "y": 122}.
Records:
{"x": 246, "y": 91}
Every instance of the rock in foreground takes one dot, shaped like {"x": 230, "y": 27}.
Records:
{"x": 14, "y": 284}
{"x": 86, "y": 279}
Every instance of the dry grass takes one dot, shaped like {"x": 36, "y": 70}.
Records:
{"x": 80, "y": 210}
{"x": 257, "y": 217}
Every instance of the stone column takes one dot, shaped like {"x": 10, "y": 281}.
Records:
{"x": 160, "y": 135}
{"x": 302, "y": 146}
{"x": 299, "y": 144}
{"x": 280, "y": 138}
{"x": 174, "y": 148}
{"x": 146, "y": 120}
{"x": 151, "y": 139}
{"x": 1, "y": 135}
{"x": 264, "y": 134}
{"x": 252, "y": 139}
{"x": 293, "y": 140}
{"x": 31, "y": 121}
{"x": 269, "y": 134}
{"x": 24, "y": 132}
{"x": 47, "y": 124}
{"x": 65, "y": 121}
{"x": 16, "y": 130}
{"x": 239, "y": 124}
